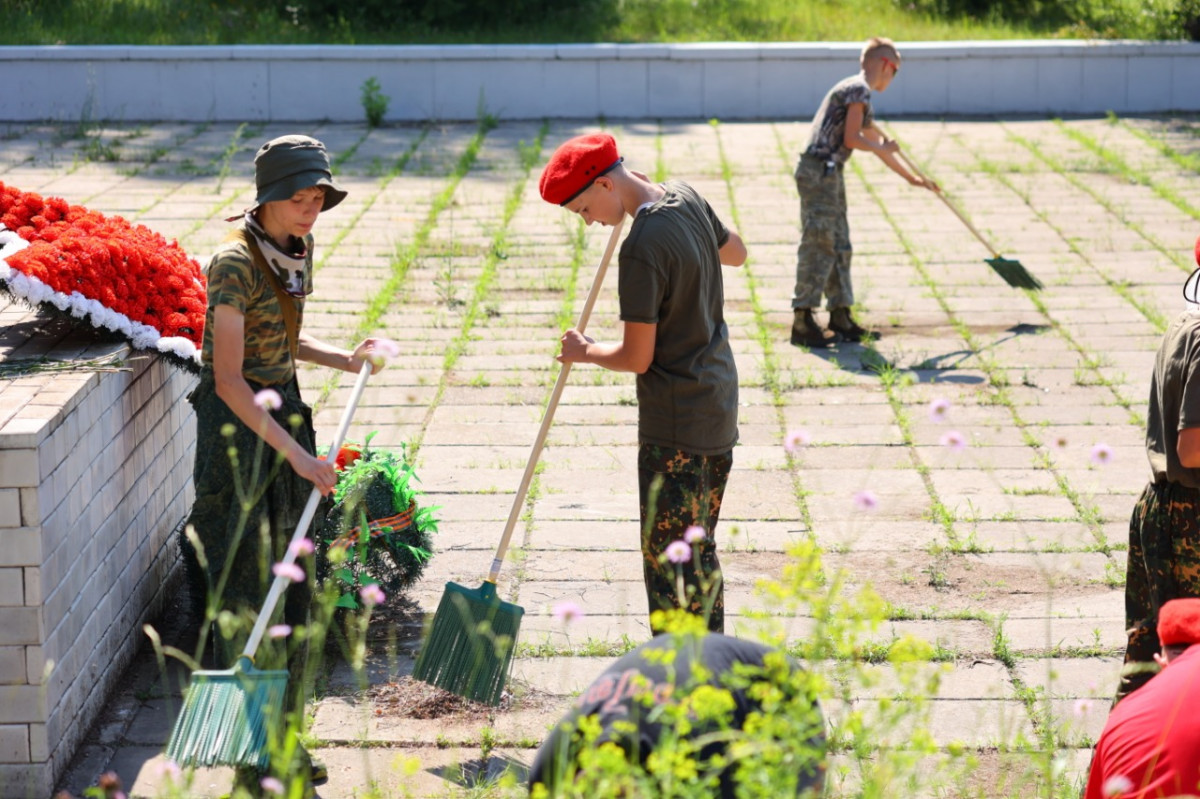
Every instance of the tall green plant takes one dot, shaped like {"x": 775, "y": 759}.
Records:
{"x": 374, "y": 102}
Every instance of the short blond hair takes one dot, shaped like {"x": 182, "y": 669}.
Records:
{"x": 878, "y": 46}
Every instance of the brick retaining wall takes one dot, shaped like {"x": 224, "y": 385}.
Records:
{"x": 94, "y": 476}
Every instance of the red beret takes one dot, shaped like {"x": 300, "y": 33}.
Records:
{"x": 575, "y": 164}
{"x": 1179, "y": 622}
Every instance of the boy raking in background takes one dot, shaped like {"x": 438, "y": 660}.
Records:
{"x": 843, "y": 123}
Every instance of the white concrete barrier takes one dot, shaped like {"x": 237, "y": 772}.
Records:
{"x": 723, "y": 80}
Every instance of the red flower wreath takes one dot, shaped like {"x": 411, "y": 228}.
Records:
{"x": 121, "y": 277}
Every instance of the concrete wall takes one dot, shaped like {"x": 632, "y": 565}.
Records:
{"x": 94, "y": 475}
{"x": 728, "y": 81}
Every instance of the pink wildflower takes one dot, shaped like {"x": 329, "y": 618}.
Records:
{"x": 387, "y": 348}
{"x": 279, "y": 631}
{"x": 695, "y": 534}
{"x": 567, "y": 612}
{"x": 865, "y": 501}
{"x": 289, "y": 570}
{"x": 954, "y": 440}
{"x": 268, "y": 399}
{"x": 795, "y": 439}
{"x": 679, "y": 552}
{"x": 372, "y": 595}
{"x": 301, "y": 547}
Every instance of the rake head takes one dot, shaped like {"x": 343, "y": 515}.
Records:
{"x": 1014, "y": 274}
{"x": 470, "y": 645}
{"x": 228, "y": 716}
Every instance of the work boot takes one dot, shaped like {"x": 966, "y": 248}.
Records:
{"x": 806, "y": 332}
{"x": 843, "y": 324}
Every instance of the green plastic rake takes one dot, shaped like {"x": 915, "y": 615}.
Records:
{"x": 471, "y": 640}
{"x": 1011, "y": 271}
{"x": 229, "y": 717}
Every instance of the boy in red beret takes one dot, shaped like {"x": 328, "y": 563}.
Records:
{"x": 1150, "y": 746}
{"x": 675, "y": 339}
{"x": 1164, "y": 529}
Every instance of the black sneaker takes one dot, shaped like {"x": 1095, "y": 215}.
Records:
{"x": 843, "y": 324}
{"x": 807, "y": 333}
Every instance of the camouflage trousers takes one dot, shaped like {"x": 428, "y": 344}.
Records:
{"x": 1164, "y": 564}
{"x": 678, "y": 490}
{"x": 248, "y": 503}
{"x": 823, "y": 257}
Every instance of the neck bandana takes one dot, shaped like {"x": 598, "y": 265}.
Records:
{"x": 289, "y": 267}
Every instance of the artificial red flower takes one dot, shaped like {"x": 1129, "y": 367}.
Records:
{"x": 128, "y": 268}
{"x": 346, "y": 456}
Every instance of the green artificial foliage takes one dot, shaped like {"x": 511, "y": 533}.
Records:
{"x": 375, "y": 530}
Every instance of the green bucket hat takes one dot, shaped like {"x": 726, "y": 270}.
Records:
{"x": 288, "y": 164}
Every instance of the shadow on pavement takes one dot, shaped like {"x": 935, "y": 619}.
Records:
{"x": 858, "y": 358}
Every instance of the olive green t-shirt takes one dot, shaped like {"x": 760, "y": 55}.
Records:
{"x": 670, "y": 276}
{"x": 234, "y": 280}
{"x": 1174, "y": 399}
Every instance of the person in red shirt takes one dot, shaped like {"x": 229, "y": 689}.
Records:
{"x": 1150, "y": 746}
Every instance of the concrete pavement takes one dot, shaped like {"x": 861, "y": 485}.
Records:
{"x": 1005, "y": 552}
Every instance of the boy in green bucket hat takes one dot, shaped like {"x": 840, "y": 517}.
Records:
{"x": 248, "y": 402}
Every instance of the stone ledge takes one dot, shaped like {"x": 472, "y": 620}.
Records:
{"x": 729, "y": 81}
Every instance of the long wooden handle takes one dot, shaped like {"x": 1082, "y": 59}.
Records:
{"x": 531, "y": 466}
{"x": 310, "y": 510}
{"x": 949, "y": 205}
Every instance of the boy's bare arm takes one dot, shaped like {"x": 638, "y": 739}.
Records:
{"x": 888, "y": 156}
{"x": 733, "y": 253}
{"x": 1188, "y": 447}
{"x": 632, "y": 354}
{"x": 858, "y": 137}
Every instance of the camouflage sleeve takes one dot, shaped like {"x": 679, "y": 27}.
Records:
{"x": 856, "y": 92}
{"x": 232, "y": 279}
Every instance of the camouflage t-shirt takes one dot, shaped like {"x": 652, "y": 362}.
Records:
{"x": 234, "y": 280}
{"x": 827, "y": 138}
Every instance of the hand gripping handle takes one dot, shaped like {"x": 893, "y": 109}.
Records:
{"x": 310, "y": 510}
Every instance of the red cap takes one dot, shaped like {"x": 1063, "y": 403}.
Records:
{"x": 1198, "y": 251}
{"x": 575, "y": 164}
{"x": 1179, "y": 622}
